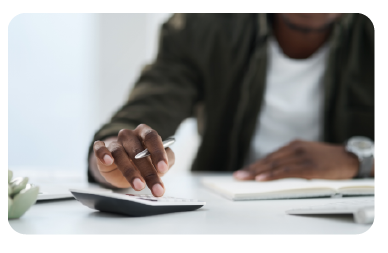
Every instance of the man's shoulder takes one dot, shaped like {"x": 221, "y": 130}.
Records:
{"x": 364, "y": 22}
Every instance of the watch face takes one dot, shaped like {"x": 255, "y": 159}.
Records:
{"x": 362, "y": 145}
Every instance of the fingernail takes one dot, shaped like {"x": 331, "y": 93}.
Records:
{"x": 261, "y": 177}
{"x": 138, "y": 184}
{"x": 157, "y": 190}
{"x": 162, "y": 167}
{"x": 108, "y": 160}
{"x": 240, "y": 174}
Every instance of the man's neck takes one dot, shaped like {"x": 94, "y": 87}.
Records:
{"x": 298, "y": 44}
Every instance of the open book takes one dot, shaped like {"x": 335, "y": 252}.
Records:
{"x": 287, "y": 188}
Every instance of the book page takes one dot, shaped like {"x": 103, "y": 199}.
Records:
{"x": 347, "y": 183}
{"x": 235, "y": 189}
{"x": 357, "y": 187}
{"x": 289, "y": 187}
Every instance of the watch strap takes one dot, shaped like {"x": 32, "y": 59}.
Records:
{"x": 365, "y": 168}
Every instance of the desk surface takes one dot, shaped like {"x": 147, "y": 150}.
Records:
{"x": 218, "y": 216}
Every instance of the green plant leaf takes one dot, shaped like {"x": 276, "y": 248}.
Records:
{"x": 9, "y": 203}
{"x": 10, "y": 174}
{"x": 18, "y": 184}
{"x": 23, "y": 201}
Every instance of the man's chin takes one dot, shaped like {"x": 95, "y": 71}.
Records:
{"x": 305, "y": 28}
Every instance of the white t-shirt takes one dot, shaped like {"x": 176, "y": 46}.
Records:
{"x": 293, "y": 101}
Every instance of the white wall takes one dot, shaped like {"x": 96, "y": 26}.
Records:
{"x": 122, "y": 51}
{"x": 52, "y": 66}
{"x": 67, "y": 74}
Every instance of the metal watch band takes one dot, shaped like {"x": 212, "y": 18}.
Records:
{"x": 365, "y": 167}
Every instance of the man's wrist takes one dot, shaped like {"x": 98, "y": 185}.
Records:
{"x": 354, "y": 163}
{"x": 362, "y": 148}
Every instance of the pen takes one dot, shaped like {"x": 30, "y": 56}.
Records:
{"x": 166, "y": 143}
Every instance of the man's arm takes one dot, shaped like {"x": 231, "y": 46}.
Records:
{"x": 163, "y": 96}
{"x": 304, "y": 159}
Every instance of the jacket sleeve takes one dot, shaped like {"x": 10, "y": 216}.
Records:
{"x": 166, "y": 91}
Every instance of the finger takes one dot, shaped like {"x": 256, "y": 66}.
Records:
{"x": 126, "y": 167}
{"x": 292, "y": 171}
{"x": 280, "y": 157}
{"x": 284, "y": 161}
{"x": 286, "y": 155}
{"x": 153, "y": 142}
{"x": 116, "y": 178}
{"x": 244, "y": 174}
{"x": 104, "y": 157}
{"x": 171, "y": 160}
{"x": 281, "y": 153}
{"x": 249, "y": 172}
{"x": 132, "y": 146}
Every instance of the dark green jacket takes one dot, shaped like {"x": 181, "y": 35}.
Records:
{"x": 213, "y": 66}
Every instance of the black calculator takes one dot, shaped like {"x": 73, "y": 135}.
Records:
{"x": 134, "y": 204}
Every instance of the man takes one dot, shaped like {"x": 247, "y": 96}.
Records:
{"x": 275, "y": 95}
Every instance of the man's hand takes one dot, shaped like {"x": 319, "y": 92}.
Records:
{"x": 117, "y": 164}
{"x": 303, "y": 159}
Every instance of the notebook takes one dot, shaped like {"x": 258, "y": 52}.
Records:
{"x": 287, "y": 188}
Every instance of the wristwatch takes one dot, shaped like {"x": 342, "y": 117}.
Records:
{"x": 363, "y": 148}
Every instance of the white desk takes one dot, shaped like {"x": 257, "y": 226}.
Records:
{"x": 218, "y": 216}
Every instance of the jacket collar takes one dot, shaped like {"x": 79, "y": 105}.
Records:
{"x": 265, "y": 28}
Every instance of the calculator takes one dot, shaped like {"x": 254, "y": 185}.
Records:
{"x": 134, "y": 204}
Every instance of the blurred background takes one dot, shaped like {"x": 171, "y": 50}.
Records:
{"x": 67, "y": 74}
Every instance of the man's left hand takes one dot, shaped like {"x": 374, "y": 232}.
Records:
{"x": 303, "y": 159}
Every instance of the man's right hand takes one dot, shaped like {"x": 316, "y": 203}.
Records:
{"x": 117, "y": 164}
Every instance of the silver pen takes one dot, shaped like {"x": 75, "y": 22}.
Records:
{"x": 166, "y": 143}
